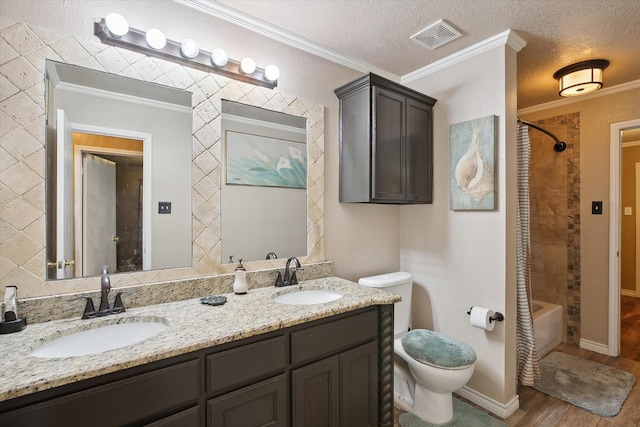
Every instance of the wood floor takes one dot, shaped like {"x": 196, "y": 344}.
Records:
{"x": 539, "y": 410}
{"x": 630, "y": 327}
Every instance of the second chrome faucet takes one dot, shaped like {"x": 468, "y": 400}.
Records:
{"x": 290, "y": 277}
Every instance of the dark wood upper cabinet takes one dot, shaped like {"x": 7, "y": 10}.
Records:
{"x": 386, "y": 142}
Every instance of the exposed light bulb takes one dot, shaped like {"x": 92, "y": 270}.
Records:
{"x": 248, "y": 65}
{"x": 116, "y": 24}
{"x": 219, "y": 57}
{"x": 156, "y": 39}
{"x": 189, "y": 48}
{"x": 272, "y": 73}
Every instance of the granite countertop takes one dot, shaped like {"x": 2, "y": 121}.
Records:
{"x": 191, "y": 326}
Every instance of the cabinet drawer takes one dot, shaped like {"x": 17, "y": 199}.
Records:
{"x": 187, "y": 418}
{"x": 119, "y": 403}
{"x": 332, "y": 337}
{"x": 246, "y": 364}
{"x": 262, "y": 404}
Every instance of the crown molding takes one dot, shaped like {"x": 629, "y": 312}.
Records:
{"x": 119, "y": 96}
{"x": 265, "y": 124}
{"x": 635, "y": 84}
{"x": 229, "y": 14}
{"x": 509, "y": 38}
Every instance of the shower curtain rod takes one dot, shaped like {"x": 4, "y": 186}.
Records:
{"x": 560, "y": 146}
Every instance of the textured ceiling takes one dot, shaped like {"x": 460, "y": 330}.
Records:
{"x": 558, "y": 33}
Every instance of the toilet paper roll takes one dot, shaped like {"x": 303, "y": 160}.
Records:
{"x": 481, "y": 318}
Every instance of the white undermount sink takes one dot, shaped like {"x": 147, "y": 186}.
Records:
{"x": 307, "y": 297}
{"x": 99, "y": 339}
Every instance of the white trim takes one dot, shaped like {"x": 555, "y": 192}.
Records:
{"x": 635, "y": 84}
{"x": 508, "y": 37}
{"x": 266, "y": 124}
{"x": 614, "y": 234}
{"x": 147, "y": 177}
{"x": 595, "y": 346}
{"x": 229, "y": 14}
{"x": 119, "y": 96}
{"x": 637, "y": 208}
{"x": 244, "y": 20}
{"x": 504, "y": 411}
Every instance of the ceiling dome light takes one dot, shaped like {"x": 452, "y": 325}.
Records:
{"x": 116, "y": 24}
{"x": 156, "y": 39}
{"x": 219, "y": 57}
{"x": 248, "y": 65}
{"x": 272, "y": 73}
{"x": 189, "y": 48}
{"x": 581, "y": 78}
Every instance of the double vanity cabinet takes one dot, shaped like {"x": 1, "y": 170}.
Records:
{"x": 386, "y": 142}
{"x": 334, "y": 371}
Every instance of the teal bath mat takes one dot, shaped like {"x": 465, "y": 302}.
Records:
{"x": 589, "y": 385}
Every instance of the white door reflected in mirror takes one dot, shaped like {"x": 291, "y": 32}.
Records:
{"x": 99, "y": 214}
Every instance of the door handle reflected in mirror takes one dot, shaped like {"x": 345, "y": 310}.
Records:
{"x": 61, "y": 264}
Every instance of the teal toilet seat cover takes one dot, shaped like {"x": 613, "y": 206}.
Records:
{"x": 437, "y": 349}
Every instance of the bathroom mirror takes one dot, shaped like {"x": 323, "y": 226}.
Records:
{"x": 118, "y": 173}
{"x": 191, "y": 235}
{"x": 263, "y": 184}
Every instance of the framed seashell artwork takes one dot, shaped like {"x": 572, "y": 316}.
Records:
{"x": 472, "y": 146}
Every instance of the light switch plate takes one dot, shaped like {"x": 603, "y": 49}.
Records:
{"x": 596, "y": 208}
{"x": 164, "y": 207}
{"x": 628, "y": 210}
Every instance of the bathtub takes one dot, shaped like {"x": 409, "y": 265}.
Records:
{"x": 547, "y": 326}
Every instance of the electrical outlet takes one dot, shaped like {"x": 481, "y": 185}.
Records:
{"x": 164, "y": 207}
{"x": 596, "y": 208}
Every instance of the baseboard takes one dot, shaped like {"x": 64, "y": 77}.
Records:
{"x": 493, "y": 406}
{"x": 629, "y": 293}
{"x": 594, "y": 346}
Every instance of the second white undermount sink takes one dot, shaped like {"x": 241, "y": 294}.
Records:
{"x": 100, "y": 339}
{"x": 307, "y": 297}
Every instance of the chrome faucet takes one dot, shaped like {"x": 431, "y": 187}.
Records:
{"x": 289, "y": 278}
{"x": 105, "y": 287}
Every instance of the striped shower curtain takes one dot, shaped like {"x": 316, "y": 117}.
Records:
{"x": 528, "y": 359}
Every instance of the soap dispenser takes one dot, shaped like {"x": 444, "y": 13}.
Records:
{"x": 10, "y": 304}
{"x": 240, "y": 285}
{"x": 9, "y": 320}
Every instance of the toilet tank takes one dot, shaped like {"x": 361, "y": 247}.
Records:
{"x": 399, "y": 283}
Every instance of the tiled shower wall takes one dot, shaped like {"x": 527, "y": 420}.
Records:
{"x": 23, "y": 50}
{"x": 554, "y": 181}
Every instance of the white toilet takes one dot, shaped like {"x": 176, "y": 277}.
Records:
{"x": 437, "y": 364}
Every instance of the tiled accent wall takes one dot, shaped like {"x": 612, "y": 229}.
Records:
{"x": 23, "y": 50}
{"x": 555, "y": 219}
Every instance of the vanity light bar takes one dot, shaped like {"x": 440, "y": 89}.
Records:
{"x": 136, "y": 41}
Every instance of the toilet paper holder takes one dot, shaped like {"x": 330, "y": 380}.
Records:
{"x": 497, "y": 317}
